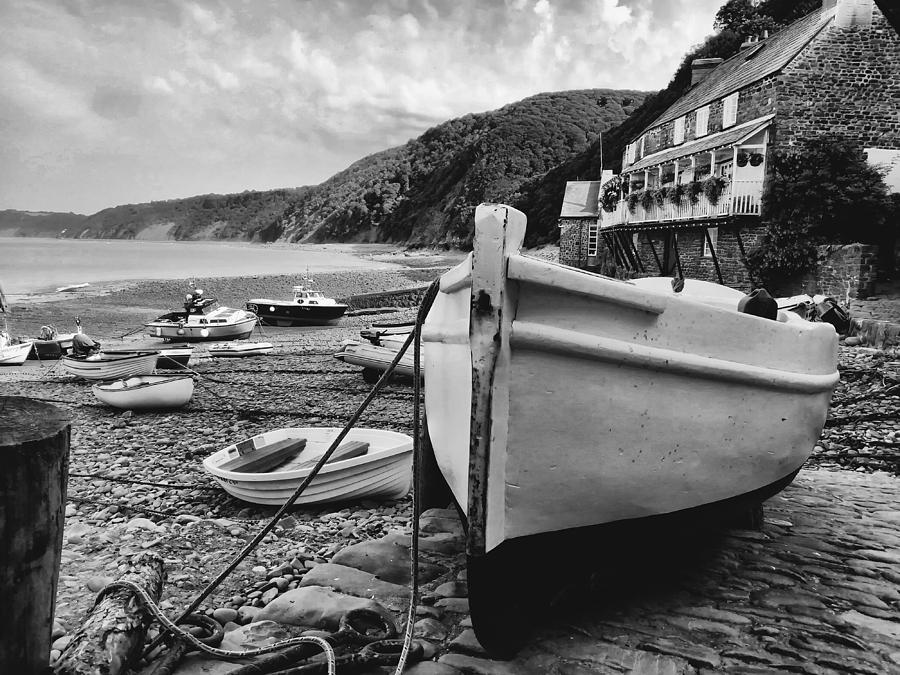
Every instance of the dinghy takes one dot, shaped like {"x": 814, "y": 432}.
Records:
{"x": 559, "y": 400}
{"x": 146, "y": 392}
{"x": 384, "y": 471}
{"x": 174, "y": 357}
{"x": 236, "y": 350}
{"x": 110, "y": 365}
{"x": 375, "y": 359}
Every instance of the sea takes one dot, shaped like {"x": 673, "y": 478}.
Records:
{"x": 30, "y": 265}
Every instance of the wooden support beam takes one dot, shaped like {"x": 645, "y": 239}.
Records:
{"x": 677, "y": 255}
{"x": 34, "y": 453}
{"x": 110, "y": 640}
{"x": 712, "y": 249}
{"x": 737, "y": 233}
{"x": 626, "y": 252}
{"x": 655, "y": 254}
{"x": 637, "y": 257}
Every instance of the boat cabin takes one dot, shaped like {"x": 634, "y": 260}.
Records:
{"x": 308, "y": 296}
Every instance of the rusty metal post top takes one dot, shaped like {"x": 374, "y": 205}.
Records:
{"x": 23, "y": 420}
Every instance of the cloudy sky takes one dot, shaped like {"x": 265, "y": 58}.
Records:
{"x": 106, "y": 102}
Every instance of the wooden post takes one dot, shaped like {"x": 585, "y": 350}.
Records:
{"x": 111, "y": 637}
{"x": 34, "y": 452}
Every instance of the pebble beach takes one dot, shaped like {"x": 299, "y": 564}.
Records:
{"x": 815, "y": 591}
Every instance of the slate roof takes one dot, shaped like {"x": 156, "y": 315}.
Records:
{"x": 582, "y": 199}
{"x": 719, "y": 140}
{"x": 750, "y": 64}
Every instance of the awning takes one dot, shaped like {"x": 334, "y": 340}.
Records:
{"x": 720, "y": 140}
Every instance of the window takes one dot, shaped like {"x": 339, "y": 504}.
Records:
{"x": 679, "y": 131}
{"x": 629, "y": 154}
{"x": 729, "y": 110}
{"x": 643, "y": 139}
{"x": 593, "y": 238}
{"x": 702, "y": 121}
{"x": 714, "y": 238}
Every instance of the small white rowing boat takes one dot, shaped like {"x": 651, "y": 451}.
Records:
{"x": 375, "y": 359}
{"x": 110, "y": 366}
{"x": 383, "y": 472}
{"x": 145, "y": 392}
{"x": 238, "y": 349}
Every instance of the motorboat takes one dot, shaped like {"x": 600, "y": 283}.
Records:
{"x": 110, "y": 365}
{"x": 384, "y": 471}
{"x": 237, "y": 350}
{"x": 13, "y": 352}
{"x": 146, "y": 392}
{"x": 308, "y": 307}
{"x": 374, "y": 359}
{"x": 561, "y": 402}
{"x": 203, "y": 319}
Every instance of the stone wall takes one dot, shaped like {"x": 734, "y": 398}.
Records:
{"x": 573, "y": 241}
{"x": 847, "y": 82}
{"x": 843, "y": 272}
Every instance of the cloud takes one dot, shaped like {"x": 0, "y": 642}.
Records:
{"x": 211, "y": 96}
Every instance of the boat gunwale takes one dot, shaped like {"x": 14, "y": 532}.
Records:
{"x": 161, "y": 379}
{"x": 540, "y": 337}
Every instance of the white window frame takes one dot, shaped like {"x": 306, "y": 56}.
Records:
{"x": 729, "y": 110}
{"x": 714, "y": 238}
{"x": 593, "y": 238}
{"x": 643, "y": 138}
{"x": 678, "y": 132}
{"x": 702, "y": 121}
{"x": 629, "y": 154}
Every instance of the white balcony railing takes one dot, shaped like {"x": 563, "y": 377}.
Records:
{"x": 739, "y": 198}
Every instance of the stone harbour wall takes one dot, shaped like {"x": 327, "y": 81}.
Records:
{"x": 843, "y": 272}
{"x": 573, "y": 241}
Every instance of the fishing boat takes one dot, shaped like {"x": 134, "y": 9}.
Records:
{"x": 382, "y": 471}
{"x": 374, "y": 359}
{"x": 203, "y": 319}
{"x": 146, "y": 392}
{"x": 308, "y": 307}
{"x": 13, "y": 353}
{"x": 237, "y": 350}
{"x": 561, "y": 402}
{"x": 110, "y": 365}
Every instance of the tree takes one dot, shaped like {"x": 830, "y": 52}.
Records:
{"x": 825, "y": 192}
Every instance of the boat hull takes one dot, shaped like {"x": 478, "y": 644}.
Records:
{"x": 375, "y": 357}
{"x": 146, "y": 392}
{"x": 110, "y": 367}
{"x": 287, "y": 314}
{"x": 51, "y": 350}
{"x": 240, "y": 350}
{"x": 609, "y": 402}
{"x": 238, "y": 330}
{"x": 384, "y": 472}
{"x": 14, "y": 355}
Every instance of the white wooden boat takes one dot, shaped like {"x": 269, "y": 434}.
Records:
{"x": 203, "y": 319}
{"x": 146, "y": 392}
{"x": 375, "y": 359}
{"x": 236, "y": 350}
{"x": 13, "y": 353}
{"x": 384, "y": 472}
{"x": 597, "y": 401}
{"x": 110, "y": 365}
{"x": 174, "y": 357}
{"x": 308, "y": 307}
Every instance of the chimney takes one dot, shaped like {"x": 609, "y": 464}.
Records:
{"x": 700, "y": 68}
{"x": 749, "y": 41}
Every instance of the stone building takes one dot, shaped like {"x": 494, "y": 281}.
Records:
{"x": 693, "y": 180}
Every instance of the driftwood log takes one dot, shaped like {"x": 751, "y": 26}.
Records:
{"x": 112, "y": 636}
{"x": 34, "y": 454}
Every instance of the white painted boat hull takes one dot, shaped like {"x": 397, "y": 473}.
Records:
{"x": 375, "y": 357}
{"x": 15, "y": 355}
{"x": 610, "y": 401}
{"x": 110, "y": 367}
{"x": 146, "y": 392}
{"x": 384, "y": 472}
{"x": 237, "y": 330}
{"x": 239, "y": 350}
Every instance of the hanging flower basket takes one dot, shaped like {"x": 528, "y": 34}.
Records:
{"x": 694, "y": 188}
{"x": 756, "y": 159}
{"x": 659, "y": 196}
{"x": 712, "y": 189}
{"x": 647, "y": 199}
{"x": 676, "y": 193}
{"x": 633, "y": 199}
{"x": 742, "y": 159}
{"x": 609, "y": 198}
